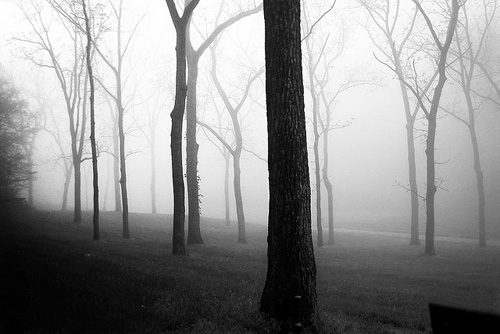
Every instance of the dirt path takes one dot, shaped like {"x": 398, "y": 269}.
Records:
{"x": 422, "y": 237}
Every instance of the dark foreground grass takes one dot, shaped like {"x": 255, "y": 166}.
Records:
{"x": 55, "y": 279}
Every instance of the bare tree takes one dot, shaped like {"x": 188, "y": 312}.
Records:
{"x": 386, "y": 17}
{"x": 193, "y": 57}
{"x": 291, "y": 271}
{"x": 236, "y": 150}
{"x": 223, "y": 132}
{"x": 116, "y": 68}
{"x": 432, "y": 111}
{"x": 95, "y": 173}
{"x": 148, "y": 130}
{"x": 71, "y": 74}
{"x": 468, "y": 49}
{"x": 177, "y": 115}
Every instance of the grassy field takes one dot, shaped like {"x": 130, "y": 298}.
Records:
{"x": 55, "y": 279}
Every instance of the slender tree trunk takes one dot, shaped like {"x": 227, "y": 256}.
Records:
{"x": 239, "y": 198}
{"x": 105, "y": 199}
{"x": 291, "y": 267}
{"x": 67, "y": 179}
{"x": 480, "y": 186}
{"x": 410, "y": 141}
{"x": 194, "y": 231}
{"x": 77, "y": 214}
{"x": 153, "y": 173}
{"x": 226, "y": 189}
{"x": 317, "y": 169}
{"x": 95, "y": 173}
{"x": 412, "y": 176}
{"x": 431, "y": 186}
{"x": 317, "y": 173}
{"x": 431, "y": 123}
{"x": 329, "y": 187}
{"x": 116, "y": 165}
{"x": 123, "y": 175}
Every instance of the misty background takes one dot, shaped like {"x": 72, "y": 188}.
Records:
{"x": 368, "y": 152}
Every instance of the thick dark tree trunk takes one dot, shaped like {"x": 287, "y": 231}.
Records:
{"x": 291, "y": 265}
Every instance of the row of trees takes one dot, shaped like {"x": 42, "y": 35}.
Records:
{"x": 453, "y": 52}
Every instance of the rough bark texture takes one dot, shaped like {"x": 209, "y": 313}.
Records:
{"x": 291, "y": 264}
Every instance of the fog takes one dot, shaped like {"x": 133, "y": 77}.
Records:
{"x": 368, "y": 158}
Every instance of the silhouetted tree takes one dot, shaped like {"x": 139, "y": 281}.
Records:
{"x": 291, "y": 265}
{"x": 95, "y": 172}
{"x": 177, "y": 115}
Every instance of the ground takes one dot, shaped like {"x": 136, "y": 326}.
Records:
{"x": 55, "y": 279}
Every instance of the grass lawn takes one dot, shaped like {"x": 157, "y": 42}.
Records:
{"x": 55, "y": 279}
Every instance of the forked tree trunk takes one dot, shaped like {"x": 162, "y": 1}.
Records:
{"x": 177, "y": 116}
{"x": 291, "y": 269}
{"x": 431, "y": 120}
